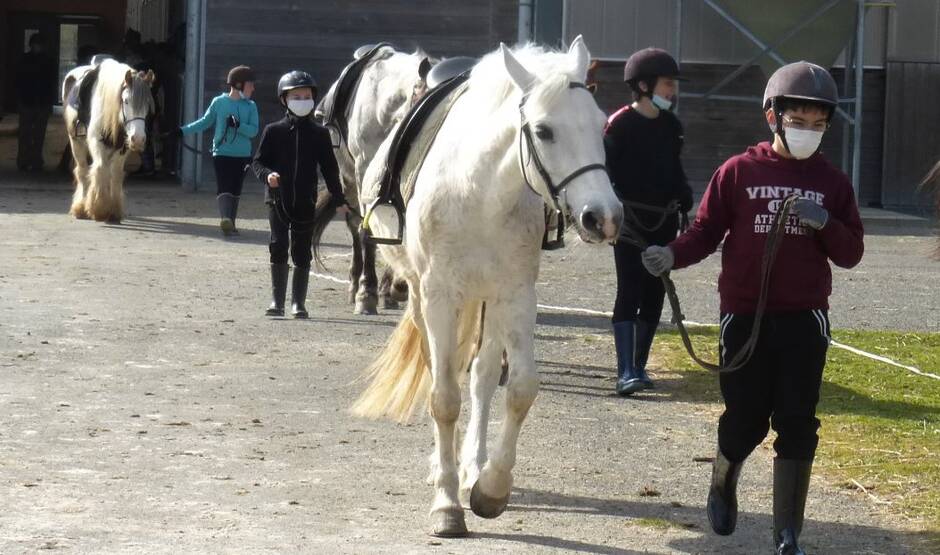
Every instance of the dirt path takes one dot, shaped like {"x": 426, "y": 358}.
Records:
{"x": 148, "y": 407}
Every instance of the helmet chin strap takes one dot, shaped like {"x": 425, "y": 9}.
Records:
{"x": 778, "y": 124}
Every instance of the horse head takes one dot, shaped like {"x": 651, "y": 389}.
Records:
{"x": 561, "y": 143}
{"x": 136, "y": 106}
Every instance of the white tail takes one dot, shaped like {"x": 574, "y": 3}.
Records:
{"x": 400, "y": 378}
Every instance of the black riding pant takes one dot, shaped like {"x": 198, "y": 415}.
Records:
{"x": 778, "y": 387}
{"x": 31, "y": 136}
{"x": 229, "y": 174}
{"x": 288, "y": 239}
{"x": 640, "y": 294}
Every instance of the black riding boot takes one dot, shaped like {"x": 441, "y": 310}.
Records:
{"x": 791, "y": 484}
{"x": 722, "y": 497}
{"x": 644, "y": 341}
{"x": 299, "y": 292}
{"x": 279, "y": 274}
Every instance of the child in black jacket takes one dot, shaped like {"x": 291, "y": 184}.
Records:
{"x": 290, "y": 152}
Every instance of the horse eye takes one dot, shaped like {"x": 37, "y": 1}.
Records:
{"x": 544, "y": 133}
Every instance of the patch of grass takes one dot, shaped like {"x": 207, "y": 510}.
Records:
{"x": 880, "y": 430}
{"x": 659, "y": 523}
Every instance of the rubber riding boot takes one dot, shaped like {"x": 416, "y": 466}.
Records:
{"x": 722, "y": 504}
{"x": 299, "y": 292}
{"x": 278, "y": 289}
{"x": 226, "y": 223}
{"x": 644, "y": 333}
{"x": 791, "y": 484}
{"x": 628, "y": 380}
{"x": 233, "y": 214}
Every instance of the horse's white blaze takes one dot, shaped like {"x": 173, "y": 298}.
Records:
{"x": 474, "y": 236}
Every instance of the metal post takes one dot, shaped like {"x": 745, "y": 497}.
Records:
{"x": 846, "y": 125}
{"x": 859, "y": 84}
{"x": 192, "y": 90}
{"x": 678, "y": 43}
{"x": 525, "y": 34}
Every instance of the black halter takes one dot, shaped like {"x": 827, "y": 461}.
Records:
{"x": 553, "y": 189}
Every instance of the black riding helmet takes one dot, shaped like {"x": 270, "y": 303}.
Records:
{"x": 647, "y": 65}
{"x": 799, "y": 81}
{"x": 295, "y": 80}
{"x": 239, "y": 75}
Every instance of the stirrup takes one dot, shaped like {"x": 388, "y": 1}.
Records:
{"x": 549, "y": 244}
{"x": 384, "y": 210}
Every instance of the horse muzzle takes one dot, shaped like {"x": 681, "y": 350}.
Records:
{"x": 136, "y": 144}
{"x": 599, "y": 225}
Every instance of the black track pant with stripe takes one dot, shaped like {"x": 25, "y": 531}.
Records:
{"x": 778, "y": 387}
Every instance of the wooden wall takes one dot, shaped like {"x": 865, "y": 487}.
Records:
{"x": 275, "y": 36}
{"x": 912, "y": 131}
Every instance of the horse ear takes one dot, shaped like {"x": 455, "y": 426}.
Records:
{"x": 592, "y": 88}
{"x": 582, "y": 58}
{"x": 424, "y": 68}
{"x": 519, "y": 75}
{"x": 129, "y": 77}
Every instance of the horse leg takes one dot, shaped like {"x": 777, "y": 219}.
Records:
{"x": 98, "y": 196}
{"x": 389, "y": 302}
{"x": 117, "y": 189}
{"x": 490, "y": 495}
{"x": 440, "y": 318}
{"x": 367, "y": 299}
{"x": 80, "y": 154}
{"x": 355, "y": 268}
{"x": 484, "y": 375}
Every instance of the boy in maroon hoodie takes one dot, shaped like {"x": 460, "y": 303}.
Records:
{"x": 779, "y": 385}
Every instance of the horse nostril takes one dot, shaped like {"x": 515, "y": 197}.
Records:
{"x": 589, "y": 221}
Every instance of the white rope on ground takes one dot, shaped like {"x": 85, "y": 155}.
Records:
{"x": 577, "y": 310}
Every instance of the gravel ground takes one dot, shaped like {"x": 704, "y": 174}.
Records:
{"x": 149, "y": 407}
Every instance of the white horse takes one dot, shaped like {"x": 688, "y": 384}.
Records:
{"x": 118, "y": 104}
{"x": 525, "y": 132}
{"x": 388, "y": 87}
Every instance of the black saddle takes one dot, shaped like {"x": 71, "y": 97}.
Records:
{"x": 400, "y": 148}
{"x": 448, "y": 69}
{"x": 334, "y": 108}
{"x": 80, "y": 96}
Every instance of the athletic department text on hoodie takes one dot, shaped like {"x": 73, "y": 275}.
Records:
{"x": 228, "y": 141}
{"x": 742, "y": 200}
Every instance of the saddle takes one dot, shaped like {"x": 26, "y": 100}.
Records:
{"x": 334, "y": 108}
{"x": 80, "y": 99}
{"x": 413, "y": 136}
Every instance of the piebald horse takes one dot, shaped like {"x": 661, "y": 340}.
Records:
{"x": 117, "y": 102}
{"x": 524, "y": 132}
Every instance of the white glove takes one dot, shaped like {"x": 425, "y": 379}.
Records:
{"x": 810, "y": 213}
{"x": 658, "y": 260}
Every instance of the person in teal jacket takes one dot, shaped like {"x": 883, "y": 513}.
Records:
{"x": 235, "y": 117}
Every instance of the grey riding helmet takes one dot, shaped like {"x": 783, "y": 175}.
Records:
{"x": 801, "y": 81}
{"x": 295, "y": 80}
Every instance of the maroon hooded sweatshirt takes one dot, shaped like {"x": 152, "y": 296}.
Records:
{"x": 739, "y": 206}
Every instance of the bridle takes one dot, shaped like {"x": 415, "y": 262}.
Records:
{"x": 554, "y": 190}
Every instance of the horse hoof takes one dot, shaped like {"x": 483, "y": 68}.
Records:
{"x": 484, "y": 506}
{"x": 389, "y": 303}
{"x": 366, "y": 309}
{"x": 448, "y": 524}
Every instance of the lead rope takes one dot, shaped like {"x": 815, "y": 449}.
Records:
{"x": 774, "y": 239}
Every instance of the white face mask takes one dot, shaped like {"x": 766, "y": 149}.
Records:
{"x": 661, "y": 103}
{"x": 301, "y": 108}
{"x": 803, "y": 143}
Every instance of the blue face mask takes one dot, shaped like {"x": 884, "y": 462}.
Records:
{"x": 661, "y": 103}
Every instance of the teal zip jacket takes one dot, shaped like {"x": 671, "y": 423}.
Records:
{"x": 228, "y": 141}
